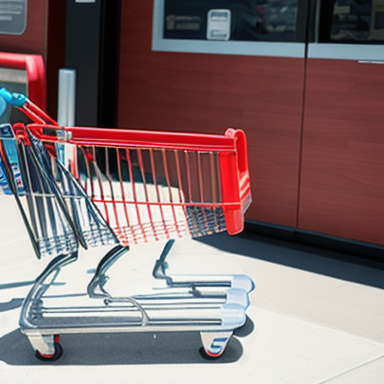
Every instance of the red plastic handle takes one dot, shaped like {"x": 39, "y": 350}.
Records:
{"x": 241, "y": 147}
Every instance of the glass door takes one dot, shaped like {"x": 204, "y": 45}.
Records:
{"x": 342, "y": 165}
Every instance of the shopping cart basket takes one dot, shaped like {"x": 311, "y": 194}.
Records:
{"x": 91, "y": 187}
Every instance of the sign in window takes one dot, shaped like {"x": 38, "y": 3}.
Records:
{"x": 13, "y": 16}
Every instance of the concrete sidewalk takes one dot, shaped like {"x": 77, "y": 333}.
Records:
{"x": 313, "y": 318}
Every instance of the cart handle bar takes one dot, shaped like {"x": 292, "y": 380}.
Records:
{"x": 128, "y": 138}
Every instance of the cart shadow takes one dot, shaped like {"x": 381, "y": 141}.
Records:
{"x": 246, "y": 329}
{"x": 297, "y": 255}
{"x": 119, "y": 349}
{"x": 13, "y": 304}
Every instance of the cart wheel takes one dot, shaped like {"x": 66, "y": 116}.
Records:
{"x": 214, "y": 344}
{"x": 56, "y": 355}
{"x": 208, "y": 355}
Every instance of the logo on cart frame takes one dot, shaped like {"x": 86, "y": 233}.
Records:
{"x": 217, "y": 345}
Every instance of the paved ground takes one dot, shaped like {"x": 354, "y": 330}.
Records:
{"x": 313, "y": 318}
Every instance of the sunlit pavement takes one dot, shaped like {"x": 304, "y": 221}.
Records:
{"x": 314, "y": 317}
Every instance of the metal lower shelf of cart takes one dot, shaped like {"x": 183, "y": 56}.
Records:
{"x": 92, "y": 187}
{"x": 215, "y": 314}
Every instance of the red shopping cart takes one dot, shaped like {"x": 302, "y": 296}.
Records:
{"x": 93, "y": 186}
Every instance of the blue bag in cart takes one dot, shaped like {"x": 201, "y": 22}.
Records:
{"x": 9, "y": 160}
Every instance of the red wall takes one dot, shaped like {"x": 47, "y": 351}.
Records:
{"x": 44, "y": 35}
{"x": 324, "y": 174}
{"x": 208, "y": 93}
{"x": 33, "y": 39}
{"x": 342, "y": 188}
{"x": 317, "y": 168}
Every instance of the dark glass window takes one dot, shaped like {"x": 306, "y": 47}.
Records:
{"x": 352, "y": 21}
{"x": 239, "y": 20}
{"x": 13, "y": 16}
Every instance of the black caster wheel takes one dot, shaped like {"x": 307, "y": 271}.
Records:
{"x": 55, "y": 356}
{"x": 207, "y": 356}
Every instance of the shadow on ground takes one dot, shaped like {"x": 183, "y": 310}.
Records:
{"x": 119, "y": 349}
{"x": 295, "y": 255}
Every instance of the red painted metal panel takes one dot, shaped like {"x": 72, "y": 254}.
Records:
{"x": 33, "y": 40}
{"x": 342, "y": 183}
{"x": 35, "y": 68}
{"x": 207, "y": 93}
{"x": 45, "y": 36}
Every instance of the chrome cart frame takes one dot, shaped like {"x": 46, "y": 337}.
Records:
{"x": 93, "y": 187}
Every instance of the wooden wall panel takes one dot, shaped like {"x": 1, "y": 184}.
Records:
{"x": 342, "y": 183}
{"x": 208, "y": 93}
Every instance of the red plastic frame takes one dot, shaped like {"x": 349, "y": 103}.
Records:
{"x": 34, "y": 65}
{"x": 232, "y": 149}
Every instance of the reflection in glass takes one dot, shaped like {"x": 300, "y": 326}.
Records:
{"x": 250, "y": 20}
{"x": 352, "y": 21}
